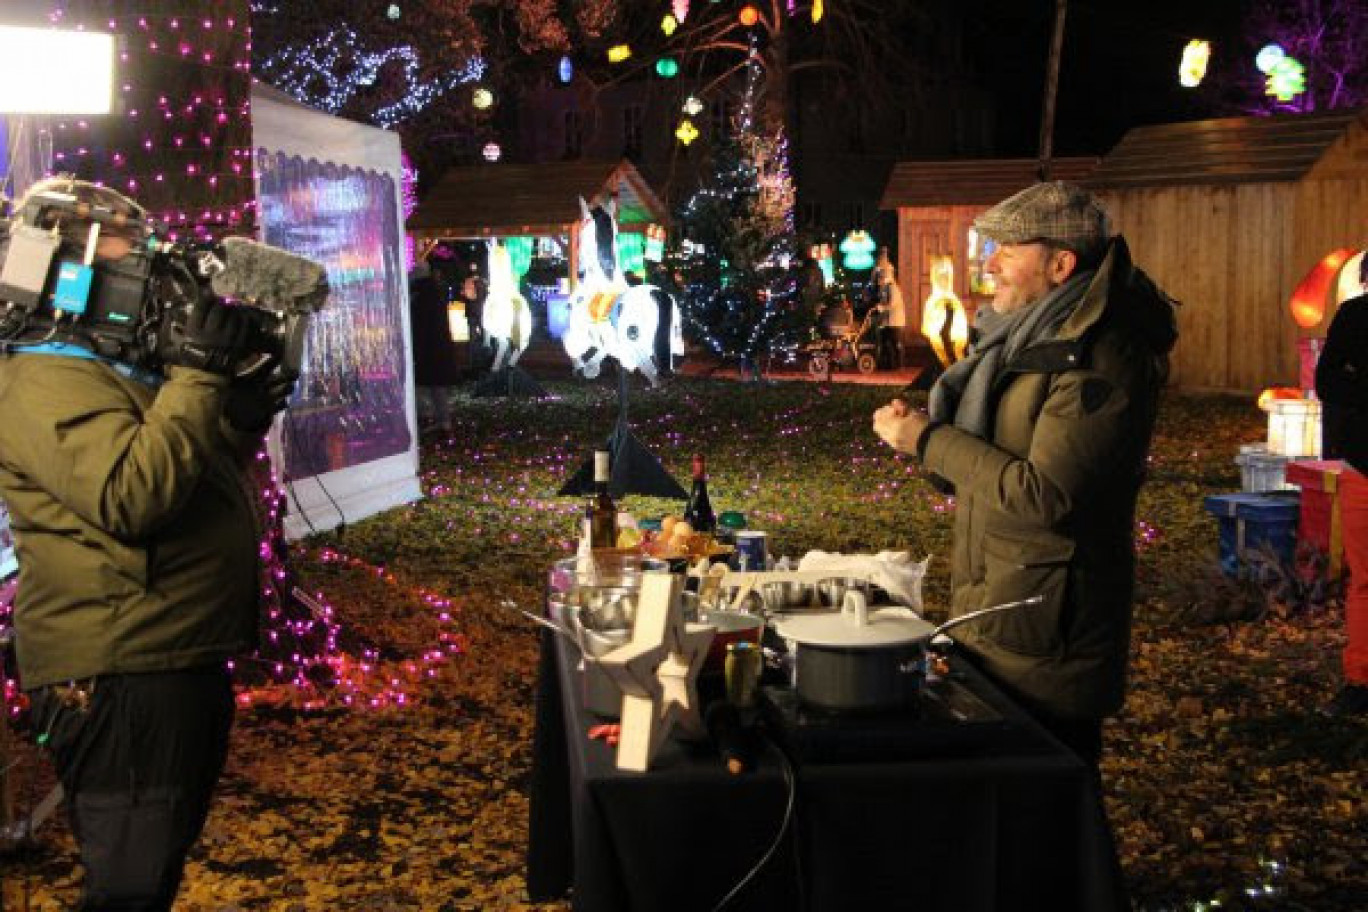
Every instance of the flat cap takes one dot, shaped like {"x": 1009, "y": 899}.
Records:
{"x": 1062, "y": 213}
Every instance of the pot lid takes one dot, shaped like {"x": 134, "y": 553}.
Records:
{"x": 886, "y": 627}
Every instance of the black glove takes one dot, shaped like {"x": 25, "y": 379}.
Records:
{"x": 214, "y": 338}
{"x": 252, "y": 403}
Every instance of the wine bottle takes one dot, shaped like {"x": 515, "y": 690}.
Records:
{"x": 601, "y": 511}
{"x": 699, "y": 511}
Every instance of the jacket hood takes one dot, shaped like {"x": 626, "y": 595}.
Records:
{"x": 1123, "y": 294}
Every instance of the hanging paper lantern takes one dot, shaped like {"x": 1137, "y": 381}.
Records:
{"x": 667, "y": 68}
{"x": 692, "y": 106}
{"x": 681, "y": 9}
{"x": 492, "y": 152}
{"x": 655, "y": 243}
{"x": 686, "y": 132}
{"x": 1287, "y": 79}
{"x": 618, "y": 53}
{"x": 1268, "y": 57}
{"x": 1317, "y": 289}
{"x": 668, "y": 25}
{"x": 749, "y": 15}
{"x": 1194, "y": 65}
{"x": 482, "y": 98}
{"x": 857, "y": 250}
{"x": 817, "y": 10}
{"x": 393, "y": 12}
{"x": 566, "y": 69}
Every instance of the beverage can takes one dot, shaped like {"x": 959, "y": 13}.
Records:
{"x": 752, "y": 550}
{"x": 742, "y": 673}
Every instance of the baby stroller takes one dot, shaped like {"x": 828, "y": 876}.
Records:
{"x": 841, "y": 343}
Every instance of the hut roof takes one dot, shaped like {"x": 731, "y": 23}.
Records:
{"x": 543, "y": 199}
{"x": 1230, "y": 150}
{"x": 971, "y": 182}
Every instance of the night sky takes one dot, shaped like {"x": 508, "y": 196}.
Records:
{"x": 1119, "y": 69}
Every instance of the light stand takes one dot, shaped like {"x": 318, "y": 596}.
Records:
{"x": 635, "y": 468}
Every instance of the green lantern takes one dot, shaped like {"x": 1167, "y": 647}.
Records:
{"x": 632, "y": 252}
{"x": 667, "y": 68}
{"x": 519, "y": 255}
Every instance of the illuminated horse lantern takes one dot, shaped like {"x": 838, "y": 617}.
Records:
{"x": 637, "y": 324}
{"x": 506, "y": 320}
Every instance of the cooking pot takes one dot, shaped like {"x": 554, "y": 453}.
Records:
{"x": 858, "y": 660}
{"x": 732, "y": 627}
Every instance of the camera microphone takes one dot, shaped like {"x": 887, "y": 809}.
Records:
{"x": 270, "y": 277}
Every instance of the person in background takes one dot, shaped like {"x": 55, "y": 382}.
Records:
{"x": 1043, "y": 431}
{"x": 1342, "y": 385}
{"x": 435, "y": 367}
{"x": 478, "y": 352}
{"x": 893, "y": 312}
{"x": 138, "y": 540}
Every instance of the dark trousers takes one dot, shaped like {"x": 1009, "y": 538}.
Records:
{"x": 890, "y": 347}
{"x": 138, "y": 759}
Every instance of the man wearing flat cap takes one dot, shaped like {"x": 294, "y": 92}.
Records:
{"x": 1043, "y": 431}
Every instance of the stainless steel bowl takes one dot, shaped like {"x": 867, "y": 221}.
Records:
{"x": 784, "y": 595}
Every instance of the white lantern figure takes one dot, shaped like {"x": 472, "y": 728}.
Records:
{"x": 507, "y": 320}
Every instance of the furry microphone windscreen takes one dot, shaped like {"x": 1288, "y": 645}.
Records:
{"x": 270, "y": 277}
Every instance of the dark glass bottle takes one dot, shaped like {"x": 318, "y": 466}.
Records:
{"x": 601, "y": 511}
{"x": 699, "y": 511}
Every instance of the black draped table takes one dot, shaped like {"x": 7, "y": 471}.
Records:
{"x": 1005, "y": 820}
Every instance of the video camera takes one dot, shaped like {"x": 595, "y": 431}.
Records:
{"x": 53, "y": 288}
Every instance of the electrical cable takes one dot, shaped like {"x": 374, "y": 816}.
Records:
{"x": 790, "y": 780}
{"x": 294, "y": 496}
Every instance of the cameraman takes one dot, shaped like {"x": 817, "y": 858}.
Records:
{"x": 137, "y": 541}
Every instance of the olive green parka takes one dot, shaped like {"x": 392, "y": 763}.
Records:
{"x": 1047, "y": 505}
{"x": 137, "y": 539}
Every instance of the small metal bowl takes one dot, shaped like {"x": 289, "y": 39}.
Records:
{"x": 782, "y": 596}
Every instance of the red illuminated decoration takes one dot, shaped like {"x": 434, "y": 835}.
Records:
{"x": 749, "y": 15}
{"x": 1278, "y": 394}
{"x": 1317, "y": 289}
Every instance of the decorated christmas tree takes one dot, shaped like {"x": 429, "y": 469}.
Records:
{"x": 738, "y": 244}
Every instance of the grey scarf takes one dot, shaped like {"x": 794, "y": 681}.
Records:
{"x": 963, "y": 396}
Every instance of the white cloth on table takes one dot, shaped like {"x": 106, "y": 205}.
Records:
{"x": 893, "y": 571}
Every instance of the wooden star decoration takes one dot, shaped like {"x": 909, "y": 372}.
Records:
{"x": 657, "y": 671}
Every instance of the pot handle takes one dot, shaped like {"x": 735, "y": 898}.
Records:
{"x": 974, "y": 615}
{"x": 855, "y": 609}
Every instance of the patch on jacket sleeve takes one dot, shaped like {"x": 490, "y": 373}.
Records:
{"x": 1094, "y": 394}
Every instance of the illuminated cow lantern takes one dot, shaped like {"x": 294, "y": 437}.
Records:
{"x": 507, "y": 320}
{"x": 637, "y": 324}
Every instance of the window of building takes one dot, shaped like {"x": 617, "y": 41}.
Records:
{"x": 574, "y": 134}
{"x": 633, "y": 119}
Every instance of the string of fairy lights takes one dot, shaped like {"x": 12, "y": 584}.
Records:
{"x": 759, "y": 182}
{"x": 182, "y": 145}
{"x": 329, "y": 72}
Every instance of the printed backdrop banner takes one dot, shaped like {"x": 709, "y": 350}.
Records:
{"x": 329, "y": 189}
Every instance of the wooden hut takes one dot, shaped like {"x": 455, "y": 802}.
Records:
{"x": 937, "y": 202}
{"x": 540, "y": 200}
{"x": 1228, "y": 216}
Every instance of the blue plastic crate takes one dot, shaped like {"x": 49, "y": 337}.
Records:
{"x": 1248, "y": 521}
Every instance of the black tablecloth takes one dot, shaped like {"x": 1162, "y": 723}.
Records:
{"x": 1014, "y": 825}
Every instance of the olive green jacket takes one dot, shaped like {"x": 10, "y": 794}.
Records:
{"x": 1047, "y": 506}
{"x": 136, "y": 538}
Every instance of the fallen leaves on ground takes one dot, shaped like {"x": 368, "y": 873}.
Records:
{"x": 1223, "y": 783}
